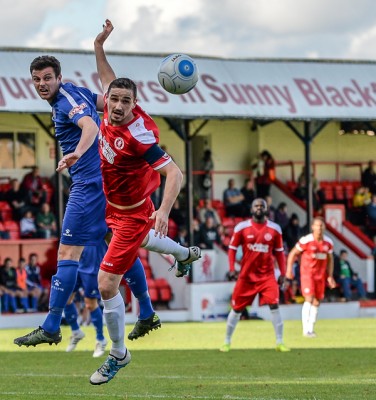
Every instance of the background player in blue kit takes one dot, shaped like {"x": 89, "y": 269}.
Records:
{"x": 88, "y": 280}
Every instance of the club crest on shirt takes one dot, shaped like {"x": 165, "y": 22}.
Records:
{"x": 119, "y": 143}
{"x": 76, "y": 110}
{"x": 268, "y": 237}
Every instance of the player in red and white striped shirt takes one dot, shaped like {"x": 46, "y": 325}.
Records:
{"x": 261, "y": 242}
{"x": 316, "y": 266}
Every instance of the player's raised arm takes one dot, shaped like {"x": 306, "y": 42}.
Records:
{"x": 106, "y": 73}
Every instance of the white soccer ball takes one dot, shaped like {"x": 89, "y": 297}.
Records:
{"x": 178, "y": 73}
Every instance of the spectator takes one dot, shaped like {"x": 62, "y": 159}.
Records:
{"x": 182, "y": 236}
{"x": 28, "y": 229}
{"x": 66, "y": 184}
{"x": 368, "y": 178}
{"x": 46, "y": 222}
{"x": 293, "y": 232}
{"x": 196, "y": 232}
{"x": 209, "y": 211}
{"x": 33, "y": 185}
{"x": 176, "y": 214}
{"x": 362, "y": 197}
{"x": 22, "y": 285}
{"x": 271, "y": 208}
{"x": 4, "y": 233}
{"x": 34, "y": 283}
{"x": 265, "y": 174}
{"x": 8, "y": 280}
{"x": 348, "y": 278}
{"x": 233, "y": 200}
{"x": 209, "y": 234}
{"x": 371, "y": 214}
{"x": 207, "y": 166}
{"x": 17, "y": 198}
{"x": 281, "y": 217}
{"x": 249, "y": 194}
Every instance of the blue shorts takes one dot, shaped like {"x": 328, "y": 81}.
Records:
{"x": 88, "y": 267}
{"x": 84, "y": 219}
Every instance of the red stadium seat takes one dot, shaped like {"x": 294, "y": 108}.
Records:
{"x": 153, "y": 290}
{"x": 164, "y": 290}
{"x": 5, "y": 210}
{"x": 14, "y": 229}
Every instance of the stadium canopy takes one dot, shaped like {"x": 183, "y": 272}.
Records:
{"x": 262, "y": 90}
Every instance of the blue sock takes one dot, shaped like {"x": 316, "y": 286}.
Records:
{"x": 13, "y": 303}
{"x": 25, "y": 303}
{"x": 71, "y": 315}
{"x": 62, "y": 285}
{"x": 6, "y": 302}
{"x": 136, "y": 280}
{"x": 34, "y": 303}
{"x": 97, "y": 320}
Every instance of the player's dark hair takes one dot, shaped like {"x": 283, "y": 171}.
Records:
{"x": 123, "y": 83}
{"x": 43, "y": 62}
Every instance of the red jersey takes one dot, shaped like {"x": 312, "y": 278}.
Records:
{"x": 259, "y": 243}
{"x": 314, "y": 255}
{"x": 130, "y": 158}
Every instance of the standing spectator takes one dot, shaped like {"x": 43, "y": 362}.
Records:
{"x": 33, "y": 185}
{"x": 176, "y": 214}
{"x": 209, "y": 211}
{"x": 46, "y": 222}
{"x": 293, "y": 232}
{"x": 348, "y": 278}
{"x": 316, "y": 264}
{"x": 209, "y": 234}
{"x": 281, "y": 217}
{"x": 266, "y": 175}
{"x": 261, "y": 241}
{"x": 371, "y": 216}
{"x": 22, "y": 284}
{"x": 17, "y": 198}
{"x": 35, "y": 288}
{"x": 233, "y": 200}
{"x": 249, "y": 194}
{"x": 28, "y": 228}
{"x": 271, "y": 208}
{"x": 207, "y": 166}
{"x": 368, "y": 178}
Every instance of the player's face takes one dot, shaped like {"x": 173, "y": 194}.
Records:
{"x": 318, "y": 228}
{"x": 259, "y": 209}
{"x": 46, "y": 83}
{"x": 120, "y": 105}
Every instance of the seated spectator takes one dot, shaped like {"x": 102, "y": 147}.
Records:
{"x": 249, "y": 194}
{"x": 8, "y": 282}
{"x": 348, "y": 278}
{"x": 33, "y": 185}
{"x": 21, "y": 283}
{"x": 293, "y": 232}
{"x": 34, "y": 283}
{"x": 182, "y": 236}
{"x": 17, "y": 198}
{"x": 208, "y": 211}
{"x": 362, "y": 197}
{"x": 28, "y": 228}
{"x": 281, "y": 218}
{"x": 368, "y": 177}
{"x": 209, "y": 234}
{"x": 233, "y": 200}
{"x": 46, "y": 222}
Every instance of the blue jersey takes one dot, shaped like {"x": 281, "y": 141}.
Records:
{"x": 69, "y": 106}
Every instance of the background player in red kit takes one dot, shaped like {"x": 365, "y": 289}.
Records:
{"x": 261, "y": 241}
{"x": 131, "y": 164}
{"x": 316, "y": 266}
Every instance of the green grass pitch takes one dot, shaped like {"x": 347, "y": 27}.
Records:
{"x": 182, "y": 361}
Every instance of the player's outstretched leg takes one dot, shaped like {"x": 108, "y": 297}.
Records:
{"x": 144, "y": 326}
{"x": 110, "y": 368}
{"x": 38, "y": 336}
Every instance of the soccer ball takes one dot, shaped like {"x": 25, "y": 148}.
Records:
{"x": 178, "y": 73}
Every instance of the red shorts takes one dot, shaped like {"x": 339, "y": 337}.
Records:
{"x": 129, "y": 228}
{"x": 246, "y": 291}
{"x": 311, "y": 286}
